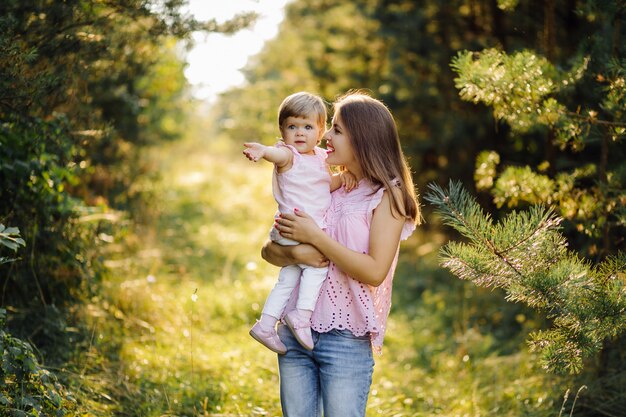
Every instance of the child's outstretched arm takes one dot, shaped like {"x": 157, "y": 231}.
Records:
{"x": 281, "y": 157}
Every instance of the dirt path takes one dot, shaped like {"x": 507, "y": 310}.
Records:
{"x": 195, "y": 286}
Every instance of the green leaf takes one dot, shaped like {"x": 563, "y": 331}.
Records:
{"x": 10, "y": 244}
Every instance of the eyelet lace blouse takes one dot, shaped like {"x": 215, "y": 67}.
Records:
{"x": 343, "y": 302}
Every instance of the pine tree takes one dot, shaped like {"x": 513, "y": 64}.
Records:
{"x": 526, "y": 255}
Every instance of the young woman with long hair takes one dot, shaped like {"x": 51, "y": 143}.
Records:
{"x": 360, "y": 244}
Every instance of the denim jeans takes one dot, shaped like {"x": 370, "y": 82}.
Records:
{"x": 335, "y": 377}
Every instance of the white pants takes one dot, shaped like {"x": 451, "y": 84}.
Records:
{"x": 310, "y": 279}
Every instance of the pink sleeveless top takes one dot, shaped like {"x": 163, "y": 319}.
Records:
{"x": 345, "y": 303}
{"x": 305, "y": 186}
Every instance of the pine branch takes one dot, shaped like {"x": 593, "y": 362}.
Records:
{"x": 526, "y": 255}
{"x": 459, "y": 210}
{"x": 594, "y": 120}
{"x": 549, "y": 221}
{"x": 536, "y": 228}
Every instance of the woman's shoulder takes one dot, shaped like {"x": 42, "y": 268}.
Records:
{"x": 365, "y": 197}
{"x": 385, "y": 209}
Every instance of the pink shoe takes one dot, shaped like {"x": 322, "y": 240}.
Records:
{"x": 268, "y": 338}
{"x": 301, "y": 329}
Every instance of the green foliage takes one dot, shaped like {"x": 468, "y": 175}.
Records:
{"x": 485, "y": 172}
{"x": 516, "y": 86}
{"x": 581, "y": 110}
{"x": 83, "y": 86}
{"x": 10, "y": 238}
{"x": 26, "y": 388}
{"x": 521, "y": 89}
{"x": 527, "y": 256}
{"x": 164, "y": 96}
{"x": 38, "y": 167}
{"x": 518, "y": 185}
{"x": 565, "y": 150}
{"x": 589, "y": 206}
{"x": 507, "y": 4}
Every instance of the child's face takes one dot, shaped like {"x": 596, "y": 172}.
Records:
{"x": 303, "y": 133}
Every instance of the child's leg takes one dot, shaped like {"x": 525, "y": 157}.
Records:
{"x": 299, "y": 320}
{"x": 310, "y": 284}
{"x": 288, "y": 278}
{"x": 277, "y": 299}
{"x": 264, "y": 330}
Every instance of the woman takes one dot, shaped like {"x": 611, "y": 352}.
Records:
{"x": 364, "y": 229}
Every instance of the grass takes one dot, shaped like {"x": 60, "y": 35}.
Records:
{"x": 170, "y": 330}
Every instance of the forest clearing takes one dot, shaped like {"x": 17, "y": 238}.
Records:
{"x": 131, "y": 225}
{"x": 195, "y": 282}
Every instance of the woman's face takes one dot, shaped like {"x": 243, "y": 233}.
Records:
{"x": 339, "y": 147}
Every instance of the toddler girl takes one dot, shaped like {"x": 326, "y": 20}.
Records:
{"x": 301, "y": 181}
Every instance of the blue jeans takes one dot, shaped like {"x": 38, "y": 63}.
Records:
{"x": 335, "y": 377}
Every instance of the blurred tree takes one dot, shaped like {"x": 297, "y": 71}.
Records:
{"x": 568, "y": 102}
{"x": 530, "y": 94}
{"x": 83, "y": 85}
{"x": 400, "y": 50}
{"x": 331, "y": 46}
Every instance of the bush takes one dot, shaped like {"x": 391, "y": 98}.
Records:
{"x": 26, "y": 388}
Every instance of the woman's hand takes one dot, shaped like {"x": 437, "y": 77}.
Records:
{"x": 298, "y": 226}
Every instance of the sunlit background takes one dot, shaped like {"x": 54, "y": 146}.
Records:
{"x": 215, "y": 60}
{"x": 131, "y": 224}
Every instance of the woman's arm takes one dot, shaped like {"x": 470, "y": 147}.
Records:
{"x": 288, "y": 255}
{"x": 370, "y": 268}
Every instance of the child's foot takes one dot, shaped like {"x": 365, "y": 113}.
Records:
{"x": 300, "y": 328}
{"x": 268, "y": 338}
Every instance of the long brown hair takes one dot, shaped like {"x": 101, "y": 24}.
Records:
{"x": 376, "y": 143}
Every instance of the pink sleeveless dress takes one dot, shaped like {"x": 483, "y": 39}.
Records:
{"x": 345, "y": 303}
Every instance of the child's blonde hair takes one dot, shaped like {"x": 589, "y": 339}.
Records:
{"x": 303, "y": 104}
{"x": 374, "y": 138}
